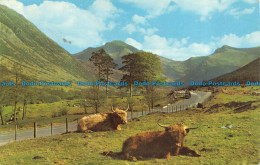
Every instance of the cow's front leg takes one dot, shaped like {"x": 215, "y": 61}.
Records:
{"x": 176, "y": 149}
{"x": 187, "y": 151}
{"x": 168, "y": 155}
{"x": 118, "y": 127}
{"x": 88, "y": 131}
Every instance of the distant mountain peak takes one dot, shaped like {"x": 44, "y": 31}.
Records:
{"x": 115, "y": 46}
{"x": 226, "y": 48}
{"x": 223, "y": 49}
{"x": 115, "y": 49}
{"x": 117, "y": 42}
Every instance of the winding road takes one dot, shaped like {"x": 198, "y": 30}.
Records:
{"x": 196, "y": 97}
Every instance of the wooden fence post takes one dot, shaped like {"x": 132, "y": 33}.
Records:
{"x": 67, "y": 130}
{"x": 15, "y": 131}
{"x": 51, "y": 128}
{"x": 35, "y": 129}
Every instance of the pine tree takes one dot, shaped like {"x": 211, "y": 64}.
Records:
{"x": 98, "y": 59}
{"x": 108, "y": 66}
{"x": 133, "y": 68}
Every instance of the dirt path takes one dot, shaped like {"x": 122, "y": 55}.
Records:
{"x": 5, "y": 138}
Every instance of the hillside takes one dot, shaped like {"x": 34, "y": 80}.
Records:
{"x": 22, "y": 44}
{"x": 224, "y": 60}
{"x": 116, "y": 49}
{"x": 249, "y": 72}
{"x": 90, "y": 67}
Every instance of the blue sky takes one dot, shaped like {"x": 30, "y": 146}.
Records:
{"x": 176, "y": 29}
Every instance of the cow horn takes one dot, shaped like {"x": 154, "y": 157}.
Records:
{"x": 164, "y": 126}
{"x": 127, "y": 108}
{"x": 112, "y": 108}
{"x": 192, "y": 128}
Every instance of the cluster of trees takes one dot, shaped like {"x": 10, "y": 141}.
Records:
{"x": 139, "y": 66}
{"x": 20, "y": 96}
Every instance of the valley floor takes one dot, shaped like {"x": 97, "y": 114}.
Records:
{"x": 230, "y": 106}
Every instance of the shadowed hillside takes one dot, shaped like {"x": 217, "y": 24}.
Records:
{"x": 249, "y": 72}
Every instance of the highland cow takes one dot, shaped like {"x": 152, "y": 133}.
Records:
{"x": 103, "y": 122}
{"x": 158, "y": 144}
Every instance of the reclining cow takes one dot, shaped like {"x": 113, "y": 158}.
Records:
{"x": 103, "y": 121}
{"x": 157, "y": 144}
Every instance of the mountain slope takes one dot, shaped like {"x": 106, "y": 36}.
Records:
{"x": 224, "y": 60}
{"x": 116, "y": 49}
{"x": 21, "y": 43}
{"x": 249, "y": 72}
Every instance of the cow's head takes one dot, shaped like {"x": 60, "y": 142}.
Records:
{"x": 120, "y": 116}
{"x": 177, "y": 132}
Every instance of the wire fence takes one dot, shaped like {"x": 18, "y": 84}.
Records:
{"x": 72, "y": 126}
{"x": 166, "y": 109}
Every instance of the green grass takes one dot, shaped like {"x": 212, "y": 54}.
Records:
{"x": 216, "y": 145}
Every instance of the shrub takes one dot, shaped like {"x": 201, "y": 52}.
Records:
{"x": 63, "y": 111}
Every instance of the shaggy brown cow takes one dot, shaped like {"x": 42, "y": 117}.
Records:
{"x": 158, "y": 144}
{"x": 103, "y": 121}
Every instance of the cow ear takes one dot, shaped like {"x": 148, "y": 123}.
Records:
{"x": 167, "y": 128}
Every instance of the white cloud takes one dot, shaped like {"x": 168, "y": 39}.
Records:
{"x": 63, "y": 19}
{"x": 148, "y": 31}
{"x": 139, "y": 19}
{"x": 248, "y": 40}
{"x": 237, "y": 13}
{"x": 134, "y": 43}
{"x": 251, "y": 1}
{"x": 153, "y": 7}
{"x": 104, "y": 9}
{"x": 13, "y": 4}
{"x": 174, "y": 49}
{"x": 129, "y": 28}
{"x": 204, "y": 8}
{"x": 182, "y": 50}
{"x": 132, "y": 28}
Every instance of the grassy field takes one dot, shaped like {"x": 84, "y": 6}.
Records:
{"x": 216, "y": 145}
